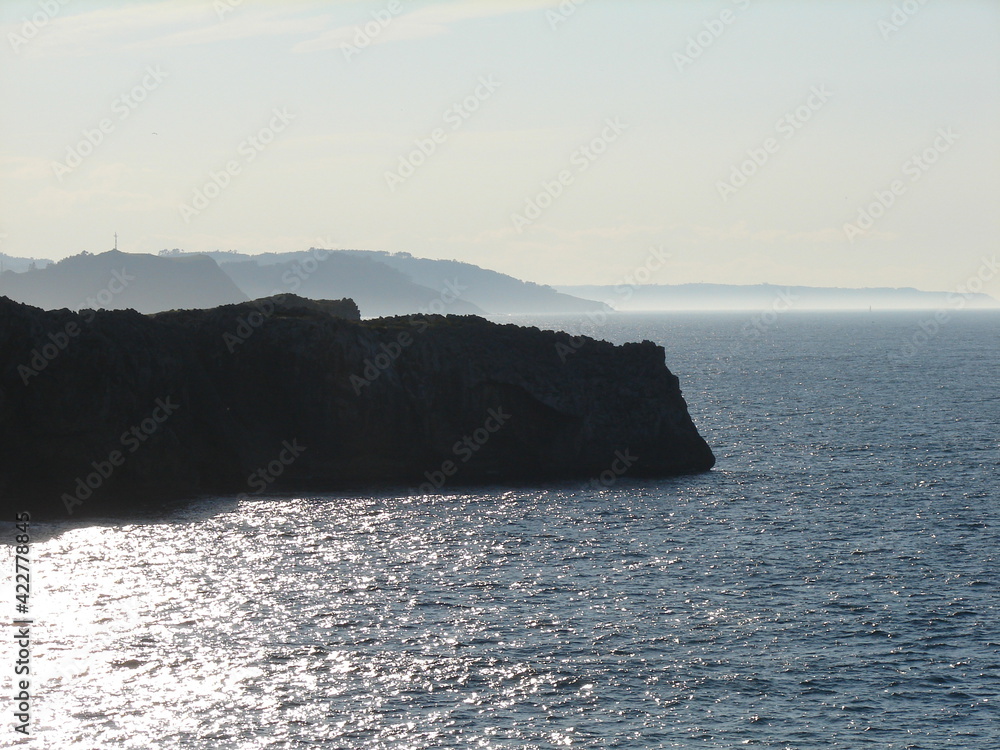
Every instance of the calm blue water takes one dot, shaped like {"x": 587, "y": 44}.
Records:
{"x": 832, "y": 584}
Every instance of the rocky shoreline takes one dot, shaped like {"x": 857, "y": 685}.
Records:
{"x": 104, "y": 411}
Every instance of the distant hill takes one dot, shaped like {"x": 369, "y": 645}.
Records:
{"x": 762, "y": 296}
{"x": 378, "y": 290}
{"x": 384, "y": 284}
{"x": 115, "y": 280}
{"x": 18, "y": 265}
{"x": 381, "y": 284}
{"x": 494, "y": 292}
{"x": 393, "y": 284}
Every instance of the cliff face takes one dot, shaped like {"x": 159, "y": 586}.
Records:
{"x": 103, "y": 411}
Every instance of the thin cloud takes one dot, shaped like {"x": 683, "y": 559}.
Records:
{"x": 164, "y": 24}
{"x": 91, "y": 32}
{"x": 432, "y": 20}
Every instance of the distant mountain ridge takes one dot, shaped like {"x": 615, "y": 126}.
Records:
{"x": 116, "y": 281}
{"x": 386, "y": 284}
{"x": 382, "y": 284}
{"x": 666, "y": 297}
{"x": 19, "y": 265}
{"x": 478, "y": 290}
{"x": 378, "y": 290}
{"x": 494, "y": 292}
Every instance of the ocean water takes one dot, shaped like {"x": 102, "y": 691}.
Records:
{"x": 833, "y": 583}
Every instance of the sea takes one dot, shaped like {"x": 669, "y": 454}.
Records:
{"x": 833, "y": 583}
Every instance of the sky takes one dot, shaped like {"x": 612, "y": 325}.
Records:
{"x": 815, "y": 142}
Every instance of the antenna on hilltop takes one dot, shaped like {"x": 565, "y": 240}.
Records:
{"x": 116, "y": 241}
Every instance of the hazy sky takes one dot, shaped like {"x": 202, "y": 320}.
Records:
{"x": 558, "y": 142}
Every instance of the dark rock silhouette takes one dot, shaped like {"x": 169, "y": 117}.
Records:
{"x": 104, "y": 411}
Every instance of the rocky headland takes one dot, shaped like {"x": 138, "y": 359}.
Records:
{"x": 105, "y": 411}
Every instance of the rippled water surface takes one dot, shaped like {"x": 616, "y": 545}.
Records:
{"x": 832, "y": 584}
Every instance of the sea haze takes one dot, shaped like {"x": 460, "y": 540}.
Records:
{"x": 831, "y": 584}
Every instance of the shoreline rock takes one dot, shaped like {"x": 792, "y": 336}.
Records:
{"x": 103, "y": 411}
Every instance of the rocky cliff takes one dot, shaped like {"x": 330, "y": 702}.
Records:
{"x": 101, "y": 411}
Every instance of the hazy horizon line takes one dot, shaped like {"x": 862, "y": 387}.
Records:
{"x": 557, "y": 286}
